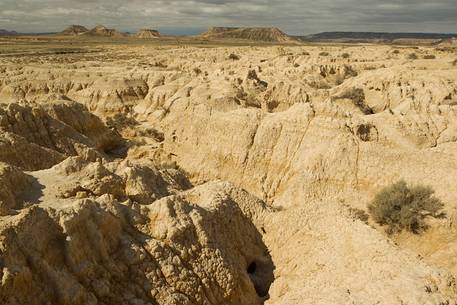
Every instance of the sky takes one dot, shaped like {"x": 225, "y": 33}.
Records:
{"x": 295, "y": 17}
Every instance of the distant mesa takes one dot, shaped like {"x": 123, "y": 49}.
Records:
{"x": 74, "y": 30}
{"x": 101, "y": 30}
{"x": 247, "y": 33}
{"x": 374, "y": 36}
{"x": 147, "y": 34}
{"x": 8, "y": 33}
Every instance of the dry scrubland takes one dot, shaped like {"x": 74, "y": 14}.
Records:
{"x": 170, "y": 173}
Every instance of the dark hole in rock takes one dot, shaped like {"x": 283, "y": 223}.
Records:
{"x": 261, "y": 274}
{"x": 252, "y": 268}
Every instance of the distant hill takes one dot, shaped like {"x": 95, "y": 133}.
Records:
{"x": 101, "y": 30}
{"x": 449, "y": 42}
{"x": 254, "y": 34}
{"x": 74, "y": 30}
{"x": 8, "y": 33}
{"x": 360, "y": 36}
{"x": 147, "y": 34}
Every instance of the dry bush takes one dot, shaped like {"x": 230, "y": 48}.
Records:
{"x": 345, "y": 55}
{"x": 120, "y": 121}
{"x": 412, "y": 56}
{"x": 319, "y": 84}
{"x": 402, "y": 207}
{"x": 159, "y": 64}
{"x": 396, "y": 51}
{"x": 151, "y": 133}
{"x": 445, "y": 49}
{"x": 430, "y": 56}
{"x": 358, "y": 214}
{"x": 324, "y": 54}
{"x": 234, "y": 57}
{"x": 454, "y": 63}
{"x": 367, "y": 132}
{"x": 358, "y": 98}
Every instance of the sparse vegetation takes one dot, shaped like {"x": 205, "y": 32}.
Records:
{"x": 319, "y": 84}
{"x": 233, "y": 56}
{"x": 412, "y": 56}
{"x": 358, "y": 98}
{"x": 396, "y": 51}
{"x": 345, "y": 55}
{"x": 358, "y": 214}
{"x": 252, "y": 75}
{"x": 349, "y": 72}
{"x": 429, "y": 56}
{"x": 445, "y": 49}
{"x": 366, "y": 132}
{"x": 151, "y": 133}
{"x": 120, "y": 121}
{"x": 324, "y": 54}
{"x": 402, "y": 207}
{"x": 160, "y": 64}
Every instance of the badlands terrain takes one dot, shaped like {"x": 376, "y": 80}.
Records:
{"x": 186, "y": 173}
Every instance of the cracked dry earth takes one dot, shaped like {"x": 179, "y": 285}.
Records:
{"x": 175, "y": 175}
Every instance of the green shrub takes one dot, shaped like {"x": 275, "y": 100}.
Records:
{"x": 402, "y": 207}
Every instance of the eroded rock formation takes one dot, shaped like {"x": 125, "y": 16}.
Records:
{"x": 168, "y": 175}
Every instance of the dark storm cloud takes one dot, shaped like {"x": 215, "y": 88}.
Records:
{"x": 293, "y": 16}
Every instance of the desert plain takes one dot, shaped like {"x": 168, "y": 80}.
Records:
{"x": 196, "y": 172}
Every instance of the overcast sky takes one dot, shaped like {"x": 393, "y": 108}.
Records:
{"x": 191, "y": 16}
